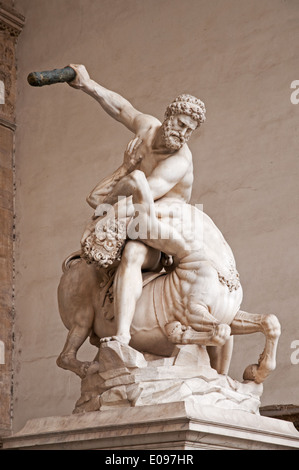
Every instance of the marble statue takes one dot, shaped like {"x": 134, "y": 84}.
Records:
{"x": 154, "y": 273}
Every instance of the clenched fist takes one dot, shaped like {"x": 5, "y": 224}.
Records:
{"x": 82, "y": 76}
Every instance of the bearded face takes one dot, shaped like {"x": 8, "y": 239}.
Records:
{"x": 177, "y": 131}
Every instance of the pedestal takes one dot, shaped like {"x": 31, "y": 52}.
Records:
{"x": 131, "y": 401}
{"x": 169, "y": 426}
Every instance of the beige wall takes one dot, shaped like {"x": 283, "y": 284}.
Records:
{"x": 240, "y": 57}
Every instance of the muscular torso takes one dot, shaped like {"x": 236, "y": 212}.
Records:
{"x": 151, "y": 159}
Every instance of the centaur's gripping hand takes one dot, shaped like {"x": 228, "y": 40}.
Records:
{"x": 49, "y": 77}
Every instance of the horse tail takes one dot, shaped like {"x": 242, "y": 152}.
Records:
{"x": 74, "y": 257}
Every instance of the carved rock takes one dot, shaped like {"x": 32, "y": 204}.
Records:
{"x": 126, "y": 378}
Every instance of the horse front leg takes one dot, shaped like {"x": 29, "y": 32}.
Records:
{"x": 268, "y": 324}
{"x": 67, "y": 359}
{"x": 78, "y": 333}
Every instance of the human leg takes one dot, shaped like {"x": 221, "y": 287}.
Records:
{"x": 128, "y": 285}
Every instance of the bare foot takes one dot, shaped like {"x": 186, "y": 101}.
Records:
{"x": 93, "y": 368}
{"x": 125, "y": 339}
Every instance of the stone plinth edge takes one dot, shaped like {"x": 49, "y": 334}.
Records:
{"x": 171, "y": 426}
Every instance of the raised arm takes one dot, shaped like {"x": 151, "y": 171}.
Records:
{"x": 104, "y": 192}
{"x": 113, "y": 103}
{"x": 99, "y": 194}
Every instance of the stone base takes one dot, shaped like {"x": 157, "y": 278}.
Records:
{"x": 286, "y": 412}
{"x": 123, "y": 377}
{"x": 169, "y": 426}
{"x": 136, "y": 401}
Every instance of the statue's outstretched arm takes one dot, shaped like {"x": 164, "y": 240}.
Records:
{"x": 113, "y": 103}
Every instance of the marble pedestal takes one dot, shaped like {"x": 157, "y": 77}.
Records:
{"x": 131, "y": 401}
{"x": 168, "y": 426}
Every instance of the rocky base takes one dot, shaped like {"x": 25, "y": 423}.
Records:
{"x": 124, "y": 377}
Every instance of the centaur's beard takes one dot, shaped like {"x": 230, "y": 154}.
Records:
{"x": 172, "y": 139}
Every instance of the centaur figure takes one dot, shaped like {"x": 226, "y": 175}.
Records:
{"x": 198, "y": 300}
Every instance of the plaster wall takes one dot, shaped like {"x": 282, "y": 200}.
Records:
{"x": 240, "y": 58}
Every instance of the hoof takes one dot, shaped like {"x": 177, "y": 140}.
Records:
{"x": 93, "y": 368}
{"x": 250, "y": 373}
{"x": 72, "y": 364}
{"x": 83, "y": 369}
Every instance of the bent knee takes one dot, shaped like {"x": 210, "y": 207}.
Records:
{"x": 137, "y": 176}
{"x": 271, "y": 325}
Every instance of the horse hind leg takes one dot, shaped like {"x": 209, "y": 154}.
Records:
{"x": 181, "y": 334}
{"x": 268, "y": 324}
{"x": 203, "y": 329}
{"x": 68, "y": 357}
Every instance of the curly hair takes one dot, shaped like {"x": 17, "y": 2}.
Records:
{"x": 189, "y": 105}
